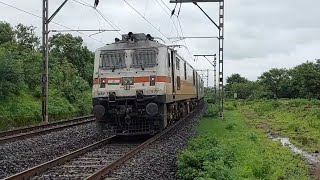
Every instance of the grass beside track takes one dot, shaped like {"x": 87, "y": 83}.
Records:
{"x": 233, "y": 149}
{"x": 25, "y": 110}
{"x": 297, "y": 119}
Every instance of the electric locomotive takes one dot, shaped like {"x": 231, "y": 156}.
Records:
{"x": 141, "y": 86}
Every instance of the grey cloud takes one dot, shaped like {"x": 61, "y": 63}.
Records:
{"x": 258, "y": 34}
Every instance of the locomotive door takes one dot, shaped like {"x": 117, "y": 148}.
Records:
{"x": 172, "y": 75}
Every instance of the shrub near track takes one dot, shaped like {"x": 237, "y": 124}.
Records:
{"x": 232, "y": 149}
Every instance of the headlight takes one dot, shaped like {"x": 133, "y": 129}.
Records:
{"x": 152, "y": 80}
{"x": 103, "y": 83}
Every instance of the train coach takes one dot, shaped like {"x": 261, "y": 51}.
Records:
{"x": 141, "y": 86}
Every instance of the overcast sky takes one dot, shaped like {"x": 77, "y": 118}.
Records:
{"x": 259, "y": 35}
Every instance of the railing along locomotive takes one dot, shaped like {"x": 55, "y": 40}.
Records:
{"x": 141, "y": 86}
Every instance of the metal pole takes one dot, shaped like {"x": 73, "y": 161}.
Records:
{"x": 207, "y": 77}
{"x": 221, "y": 38}
{"x": 220, "y": 26}
{"x": 215, "y": 75}
{"x": 45, "y": 61}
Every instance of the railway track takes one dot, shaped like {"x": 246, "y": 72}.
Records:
{"x": 26, "y": 132}
{"x": 95, "y": 161}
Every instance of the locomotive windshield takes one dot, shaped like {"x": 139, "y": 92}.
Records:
{"x": 140, "y": 58}
{"x": 113, "y": 60}
{"x": 144, "y": 58}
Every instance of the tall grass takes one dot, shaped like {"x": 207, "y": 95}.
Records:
{"x": 231, "y": 149}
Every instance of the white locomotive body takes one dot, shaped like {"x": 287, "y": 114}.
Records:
{"x": 141, "y": 86}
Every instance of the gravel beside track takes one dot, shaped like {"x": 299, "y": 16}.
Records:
{"x": 158, "y": 161}
{"x": 23, "y": 154}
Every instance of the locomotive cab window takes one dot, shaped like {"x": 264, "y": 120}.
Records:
{"x": 178, "y": 83}
{"x": 178, "y": 63}
{"x": 194, "y": 77}
{"x": 112, "y": 60}
{"x": 144, "y": 58}
{"x": 168, "y": 59}
{"x": 185, "y": 71}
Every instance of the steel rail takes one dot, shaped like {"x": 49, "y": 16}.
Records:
{"x": 60, "y": 160}
{"x": 34, "y": 127}
{"x": 107, "y": 169}
{"x": 27, "y": 132}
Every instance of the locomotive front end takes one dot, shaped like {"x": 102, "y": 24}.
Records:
{"x": 129, "y": 86}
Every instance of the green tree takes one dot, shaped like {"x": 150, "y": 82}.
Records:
{"x": 10, "y": 75}
{"x": 66, "y": 46}
{"x": 32, "y": 67}
{"x": 306, "y": 80}
{"x": 243, "y": 90}
{"x": 278, "y": 82}
{"x": 26, "y": 37}
{"x": 65, "y": 77}
{"x": 6, "y": 33}
{"x": 236, "y": 78}
{"x": 231, "y": 80}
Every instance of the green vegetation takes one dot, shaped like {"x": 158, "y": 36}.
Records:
{"x": 70, "y": 68}
{"x": 302, "y": 81}
{"x": 236, "y": 149}
{"x": 297, "y": 119}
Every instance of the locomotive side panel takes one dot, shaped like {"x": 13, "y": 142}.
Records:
{"x": 183, "y": 79}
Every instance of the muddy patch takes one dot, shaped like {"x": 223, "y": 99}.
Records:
{"x": 312, "y": 158}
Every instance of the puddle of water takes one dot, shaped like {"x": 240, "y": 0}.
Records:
{"x": 312, "y": 158}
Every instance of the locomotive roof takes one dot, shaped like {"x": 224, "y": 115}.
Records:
{"x": 126, "y": 43}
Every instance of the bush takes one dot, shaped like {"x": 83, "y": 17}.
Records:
{"x": 20, "y": 110}
{"x": 60, "y": 107}
{"x": 275, "y": 104}
{"x": 230, "y": 126}
{"x": 211, "y": 101}
{"x": 213, "y": 112}
{"x": 252, "y": 136}
{"x": 229, "y": 107}
{"x": 10, "y": 75}
{"x": 205, "y": 158}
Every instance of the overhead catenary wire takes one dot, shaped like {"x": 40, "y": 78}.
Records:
{"x": 175, "y": 26}
{"x": 83, "y": 3}
{"x": 146, "y": 19}
{"x": 185, "y": 44}
{"x": 61, "y": 25}
{"x": 108, "y": 21}
{"x": 145, "y": 9}
{"x": 114, "y": 26}
{"x": 165, "y": 5}
{"x": 100, "y": 13}
{"x": 105, "y": 18}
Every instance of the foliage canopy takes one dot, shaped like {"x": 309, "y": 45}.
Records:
{"x": 70, "y": 77}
